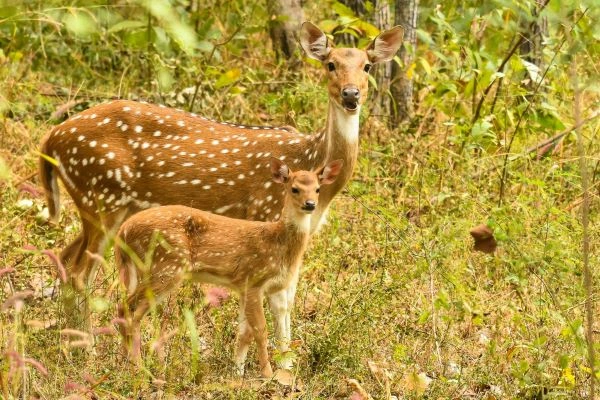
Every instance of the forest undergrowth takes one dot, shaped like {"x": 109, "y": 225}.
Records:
{"x": 392, "y": 293}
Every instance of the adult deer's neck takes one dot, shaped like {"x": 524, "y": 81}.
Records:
{"x": 341, "y": 139}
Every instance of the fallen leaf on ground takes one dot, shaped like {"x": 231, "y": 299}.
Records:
{"x": 484, "y": 239}
{"x": 284, "y": 377}
{"x": 417, "y": 382}
{"x": 359, "y": 393}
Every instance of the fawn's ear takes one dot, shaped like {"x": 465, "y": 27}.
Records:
{"x": 314, "y": 42}
{"x": 279, "y": 171}
{"x": 329, "y": 173}
{"x": 385, "y": 46}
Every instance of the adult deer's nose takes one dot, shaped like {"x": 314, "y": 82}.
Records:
{"x": 309, "y": 205}
{"x": 350, "y": 93}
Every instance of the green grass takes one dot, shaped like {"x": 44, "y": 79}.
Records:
{"x": 391, "y": 287}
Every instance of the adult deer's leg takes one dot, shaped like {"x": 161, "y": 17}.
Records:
{"x": 71, "y": 251}
{"x": 244, "y": 336}
{"x": 71, "y": 292}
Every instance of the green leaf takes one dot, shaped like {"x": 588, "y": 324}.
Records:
{"x": 192, "y": 329}
{"x": 5, "y": 173}
{"x": 80, "y": 24}
{"x": 205, "y": 46}
{"x": 373, "y": 81}
{"x": 165, "y": 79}
{"x": 99, "y": 304}
{"x": 368, "y": 29}
{"x": 424, "y": 317}
{"x": 328, "y": 25}
{"x": 342, "y": 10}
{"x": 532, "y": 69}
{"x": 126, "y": 26}
{"x": 425, "y": 65}
{"x": 228, "y": 78}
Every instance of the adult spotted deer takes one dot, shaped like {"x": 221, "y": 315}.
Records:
{"x": 254, "y": 258}
{"x": 121, "y": 157}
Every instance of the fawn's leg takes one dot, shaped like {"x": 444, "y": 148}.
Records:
{"x": 132, "y": 312}
{"x": 255, "y": 317}
{"x": 281, "y": 304}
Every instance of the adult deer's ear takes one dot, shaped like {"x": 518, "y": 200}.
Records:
{"x": 385, "y": 46}
{"x": 330, "y": 172}
{"x": 280, "y": 172}
{"x": 314, "y": 42}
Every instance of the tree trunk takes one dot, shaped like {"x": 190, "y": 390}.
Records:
{"x": 402, "y": 88}
{"x": 382, "y": 102}
{"x": 285, "y": 18}
{"x": 531, "y": 48}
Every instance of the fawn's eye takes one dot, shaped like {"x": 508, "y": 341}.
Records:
{"x": 368, "y": 67}
{"x": 295, "y": 190}
{"x": 318, "y": 190}
{"x": 331, "y": 66}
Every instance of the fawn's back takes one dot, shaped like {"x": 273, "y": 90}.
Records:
{"x": 198, "y": 245}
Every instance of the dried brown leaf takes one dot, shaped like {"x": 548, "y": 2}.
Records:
{"x": 417, "y": 382}
{"x": 484, "y": 239}
{"x": 284, "y": 377}
{"x": 359, "y": 393}
{"x": 62, "y": 110}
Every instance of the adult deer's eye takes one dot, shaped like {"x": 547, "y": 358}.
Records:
{"x": 331, "y": 66}
{"x": 367, "y": 67}
{"x": 295, "y": 190}
{"x": 318, "y": 190}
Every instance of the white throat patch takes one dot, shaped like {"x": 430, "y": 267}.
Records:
{"x": 303, "y": 223}
{"x": 347, "y": 125}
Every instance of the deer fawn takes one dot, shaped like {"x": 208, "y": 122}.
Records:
{"x": 253, "y": 258}
{"x": 121, "y": 157}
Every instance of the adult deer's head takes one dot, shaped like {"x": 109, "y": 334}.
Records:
{"x": 348, "y": 68}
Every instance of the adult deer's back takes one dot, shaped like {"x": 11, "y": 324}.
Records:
{"x": 121, "y": 157}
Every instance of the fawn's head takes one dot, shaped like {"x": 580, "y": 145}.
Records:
{"x": 348, "y": 68}
{"x": 302, "y": 187}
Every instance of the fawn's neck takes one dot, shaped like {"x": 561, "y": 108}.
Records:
{"x": 293, "y": 221}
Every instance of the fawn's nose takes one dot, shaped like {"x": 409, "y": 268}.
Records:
{"x": 350, "y": 93}
{"x": 310, "y": 205}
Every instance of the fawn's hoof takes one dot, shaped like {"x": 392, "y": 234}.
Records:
{"x": 266, "y": 371}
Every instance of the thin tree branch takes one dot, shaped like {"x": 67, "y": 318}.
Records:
{"x": 585, "y": 209}
{"x": 522, "y": 115}
{"x": 212, "y": 53}
{"x": 560, "y": 135}
{"x": 507, "y": 58}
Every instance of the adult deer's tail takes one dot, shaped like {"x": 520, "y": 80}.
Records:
{"x": 125, "y": 264}
{"x": 49, "y": 183}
